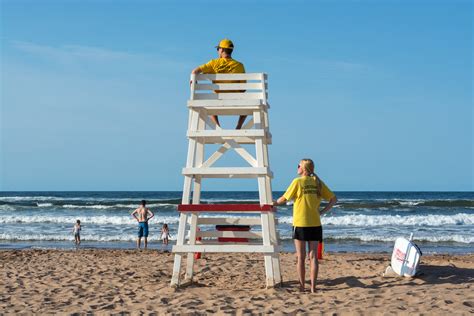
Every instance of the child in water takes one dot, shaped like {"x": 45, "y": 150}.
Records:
{"x": 165, "y": 234}
{"x": 77, "y": 232}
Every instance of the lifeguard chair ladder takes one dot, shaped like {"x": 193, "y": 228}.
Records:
{"x": 227, "y": 94}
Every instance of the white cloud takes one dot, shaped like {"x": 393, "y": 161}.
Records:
{"x": 70, "y": 54}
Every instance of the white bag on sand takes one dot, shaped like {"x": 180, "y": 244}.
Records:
{"x": 405, "y": 257}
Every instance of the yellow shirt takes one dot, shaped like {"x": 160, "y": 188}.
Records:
{"x": 306, "y": 206}
{"x": 223, "y": 65}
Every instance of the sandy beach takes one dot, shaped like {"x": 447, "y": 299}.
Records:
{"x": 111, "y": 281}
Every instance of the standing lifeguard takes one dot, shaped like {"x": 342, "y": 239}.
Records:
{"x": 307, "y": 191}
{"x": 222, "y": 65}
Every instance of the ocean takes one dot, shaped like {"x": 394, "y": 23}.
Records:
{"x": 442, "y": 222}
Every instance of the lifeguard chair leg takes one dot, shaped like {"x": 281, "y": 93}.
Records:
{"x": 276, "y": 255}
{"x": 270, "y": 281}
{"x": 192, "y": 241}
{"x": 199, "y": 158}
{"x": 178, "y": 256}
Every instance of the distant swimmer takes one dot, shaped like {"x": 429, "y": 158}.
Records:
{"x": 142, "y": 215}
{"x": 307, "y": 191}
{"x": 223, "y": 65}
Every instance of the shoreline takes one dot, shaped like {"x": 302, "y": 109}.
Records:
{"x": 111, "y": 281}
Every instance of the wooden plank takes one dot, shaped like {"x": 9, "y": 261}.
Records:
{"x": 225, "y": 208}
{"x": 238, "y": 140}
{"x": 243, "y": 153}
{"x": 230, "y": 110}
{"x": 230, "y": 86}
{"x": 216, "y": 155}
{"x": 230, "y": 234}
{"x": 269, "y": 271}
{"x": 178, "y": 256}
{"x": 230, "y": 96}
{"x": 227, "y": 133}
{"x": 226, "y": 171}
{"x": 229, "y": 221}
{"x": 193, "y": 85}
{"x": 223, "y": 103}
{"x": 243, "y": 248}
{"x": 231, "y": 176}
{"x": 243, "y": 76}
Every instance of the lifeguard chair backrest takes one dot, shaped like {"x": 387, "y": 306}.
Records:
{"x": 246, "y": 86}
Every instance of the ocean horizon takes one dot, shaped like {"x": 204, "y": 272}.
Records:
{"x": 362, "y": 221}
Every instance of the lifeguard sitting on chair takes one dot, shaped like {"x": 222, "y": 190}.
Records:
{"x": 222, "y": 65}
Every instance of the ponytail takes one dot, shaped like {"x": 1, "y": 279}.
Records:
{"x": 308, "y": 167}
{"x": 318, "y": 184}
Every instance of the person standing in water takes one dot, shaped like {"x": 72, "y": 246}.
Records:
{"x": 142, "y": 215}
{"x": 307, "y": 191}
{"x": 165, "y": 235}
{"x": 76, "y": 230}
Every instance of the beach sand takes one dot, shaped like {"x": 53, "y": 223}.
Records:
{"x": 111, "y": 281}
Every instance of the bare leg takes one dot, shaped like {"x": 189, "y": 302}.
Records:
{"x": 241, "y": 121}
{"x": 300, "y": 254}
{"x": 78, "y": 239}
{"x": 314, "y": 265}
{"x": 139, "y": 240}
{"x": 215, "y": 119}
{"x": 146, "y": 242}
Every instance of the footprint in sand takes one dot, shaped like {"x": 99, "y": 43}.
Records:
{"x": 468, "y": 303}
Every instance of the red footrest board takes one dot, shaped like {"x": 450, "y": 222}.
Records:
{"x": 235, "y": 228}
{"x": 225, "y": 208}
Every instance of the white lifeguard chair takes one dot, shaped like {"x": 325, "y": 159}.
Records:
{"x": 227, "y": 94}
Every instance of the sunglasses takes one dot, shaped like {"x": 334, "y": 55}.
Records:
{"x": 299, "y": 166}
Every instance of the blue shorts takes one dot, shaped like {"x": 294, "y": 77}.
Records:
{"x": 142, "y": 229}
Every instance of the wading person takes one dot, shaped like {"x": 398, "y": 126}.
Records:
{"x": 307, "y": 191}
{"x": 142, "y": 215}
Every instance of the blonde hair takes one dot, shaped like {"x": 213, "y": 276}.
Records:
{"x": 307, "y": 165}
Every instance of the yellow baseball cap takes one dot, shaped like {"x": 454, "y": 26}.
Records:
{"x": 226, "y": 43}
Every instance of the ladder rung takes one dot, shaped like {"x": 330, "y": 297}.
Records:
{"x": 224, "y": 248}
{"x": 227, "y": 133}
{"x": 227, "y": 103}
{"x": 238, "y": 140}
{"x": 226, "y": 208}
{"x": 229, "y": 172}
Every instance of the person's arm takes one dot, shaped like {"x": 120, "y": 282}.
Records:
{"x": 196, "y": 70}
{"x": 280, "y": 201}
{"x": 328, "y": 207}
{"x": 152, "y": 214}
{"x": 134, "y": 214}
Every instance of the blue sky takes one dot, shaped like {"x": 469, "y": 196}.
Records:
{"x": 378, "y": 93}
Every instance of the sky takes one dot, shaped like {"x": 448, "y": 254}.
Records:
{"x": 377, "y": 93}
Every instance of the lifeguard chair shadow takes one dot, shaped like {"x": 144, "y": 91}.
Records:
{"x": 227, "y": 94}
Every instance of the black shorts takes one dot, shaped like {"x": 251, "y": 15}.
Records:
{"x": 308, "y": 233}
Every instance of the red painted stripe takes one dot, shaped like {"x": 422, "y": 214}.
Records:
{"x": 225, "y": 208}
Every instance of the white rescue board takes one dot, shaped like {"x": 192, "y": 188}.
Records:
{"x": 405, "y": 257}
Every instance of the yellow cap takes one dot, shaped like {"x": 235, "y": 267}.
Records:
{"x": 226, "y": 43}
